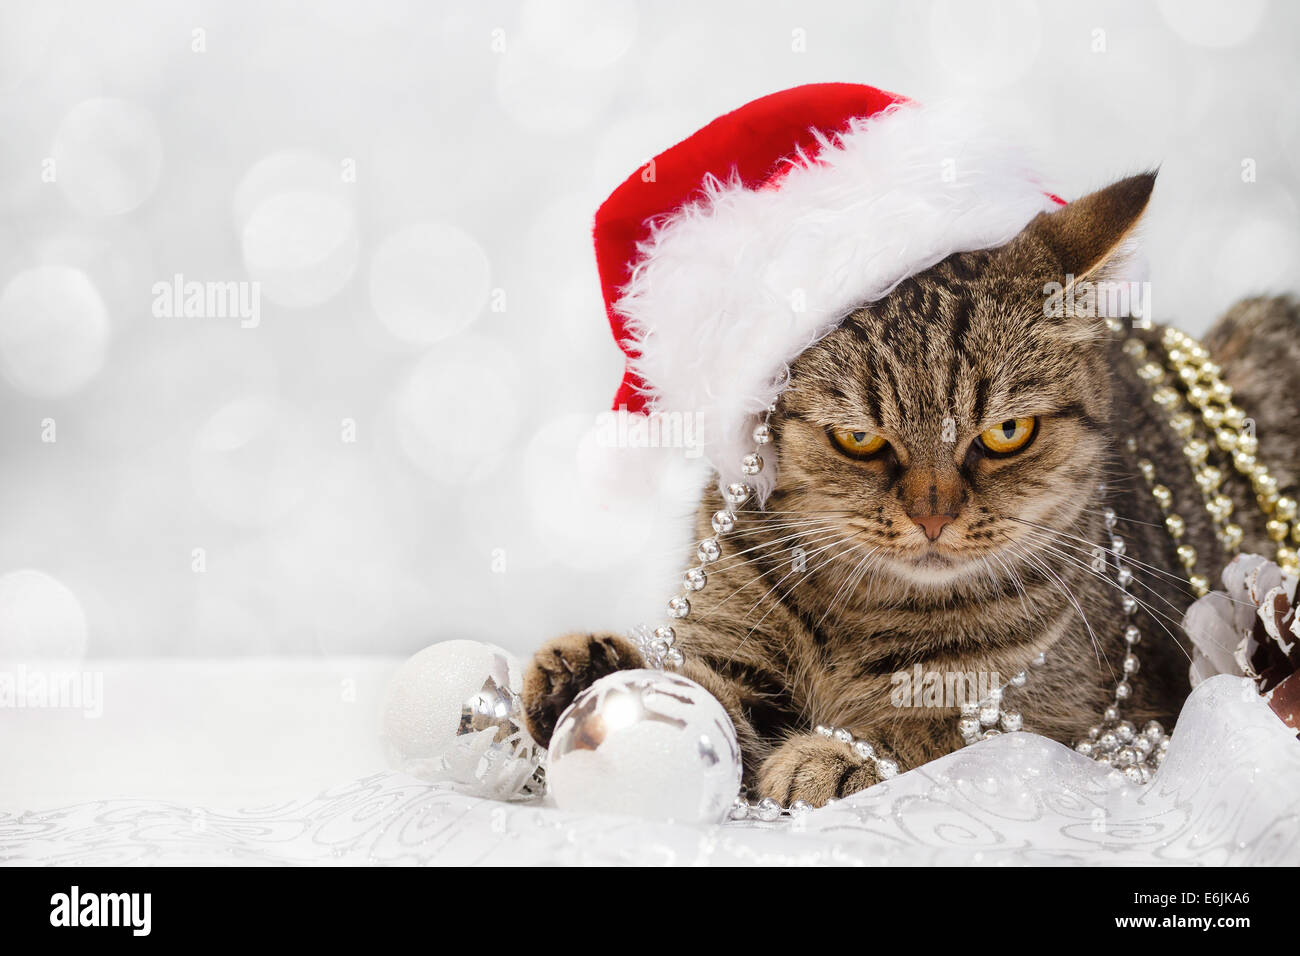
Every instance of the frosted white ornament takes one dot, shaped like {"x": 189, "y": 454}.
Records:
{"x": 647, "y": 743}
{"x": 453, "y": 715}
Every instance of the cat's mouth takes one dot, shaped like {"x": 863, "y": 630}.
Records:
{"x": 939, "y": 563}
{"x": 932, "y": 557}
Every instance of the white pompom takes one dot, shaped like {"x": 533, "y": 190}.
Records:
{"x": 647, "y": 743}
{"x": 453, "y": 715}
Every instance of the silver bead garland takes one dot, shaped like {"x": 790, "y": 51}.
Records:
{"x": 1113, "y": 741}
{"x": 768, "y": 809}
{"x": 658, "y": 645}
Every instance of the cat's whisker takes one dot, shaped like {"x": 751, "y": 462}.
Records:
{"x": 1010, "y": 574}
{"x": 1136, "y": 568}
{"x": 777, "y": 526}
{"x": 847, "y": 579}
{"x": 1048, "y": 543}
{"x": 855, "y": 576}
{"x": 788, "y": 533}
{"x": 1155, "y": 613}
{"x": 723, "y": 566}
{"x": 1176, "y": 580}
{"x": 1069, "y": 593}
{"x": 1019, "y": 583}
{"x": 720, "y": 565}
{"x": 795, "y": 570}
{"x": 988, "y": 569}
{"x": 765, "y": 557}
{"x": 776, "y": 604}
{"x": 786, "y": 643}
{"x": 1125, "y": 518}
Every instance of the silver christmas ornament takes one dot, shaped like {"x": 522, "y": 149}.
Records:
{"x": 647, "y": 743}
{"x": 453, "y": 715}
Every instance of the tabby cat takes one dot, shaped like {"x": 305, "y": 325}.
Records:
{"x": 946, "y": 459}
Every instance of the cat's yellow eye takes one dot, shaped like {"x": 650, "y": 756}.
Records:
{"x": 1010, "y": 436}
{"x": 856, "y": 444}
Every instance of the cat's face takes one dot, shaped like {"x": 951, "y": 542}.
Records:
{"x": 952, "y": 431}
{"x": 944, "y": 427}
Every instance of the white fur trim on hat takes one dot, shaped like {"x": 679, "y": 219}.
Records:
{"x": 730, "y": 289}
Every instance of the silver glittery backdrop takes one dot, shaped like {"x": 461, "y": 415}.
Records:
{"x": 377, "y": 449}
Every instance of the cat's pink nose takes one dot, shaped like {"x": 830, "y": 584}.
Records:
{"x": 932, "y": 525}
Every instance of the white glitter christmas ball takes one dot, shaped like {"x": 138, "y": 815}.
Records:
{"x": 453, "y": 715}
{"x": 647, "y": 743}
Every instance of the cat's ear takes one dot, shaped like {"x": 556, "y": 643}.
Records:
{"x": 1089, "y": 233}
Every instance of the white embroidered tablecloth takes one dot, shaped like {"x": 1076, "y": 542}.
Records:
{"x": 1228, "y": 793}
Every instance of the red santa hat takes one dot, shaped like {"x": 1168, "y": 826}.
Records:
{"x": 727, "y": 255}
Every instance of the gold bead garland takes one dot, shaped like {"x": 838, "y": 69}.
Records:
{"x": 1187, "y": 385}
{"x": 1175, "y": 525}
{"x": 1187, "y": 363}
{"x": 1208, "y": 477}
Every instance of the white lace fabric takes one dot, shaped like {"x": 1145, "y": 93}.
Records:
{"x": 1227, "y": 794}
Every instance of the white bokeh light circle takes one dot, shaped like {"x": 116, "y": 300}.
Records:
{"x": 1212, "y": 23}
{"x": 107, "y": 156}
{"x": 40, "y": 617}
{"x": 584, "y": 518}
{"x": 1259, "y": 256}
{"x": 457, "y": 412}
{"x": 576, "y": 313}
{"x": 250, "y": 462}
{"x": 428, "y": 281}
{"x": 295, "y": 215}
{"x": 380, "y": 15}
{"x": 172, "y": 382}
{"x": 26, "y": 144}
{"x": 351, "y": 597}
{"x": 610, "y": 470}
{"x": 985, "y": 46}
{"x": 25, "y": 30}
{"x": 54, "y": 331}
{"x": 627, "y": 144}
{"x": 579, "y": 34}
{"x": 1197, "y": 248}
{"x": 410, "y": 171}
{"x": 118, "y": 257}
{"x": 545, "y": 97}
{"x": 1286, "y": 123}
{"x": 302, "y": 247}
{"x": 287, "y": 171}
{"x": 559, "y": 239}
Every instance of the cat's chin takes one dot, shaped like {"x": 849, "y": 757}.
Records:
{"x": 936, "y": 569}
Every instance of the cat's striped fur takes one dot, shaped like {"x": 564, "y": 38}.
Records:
{"x": 830, "y": 590}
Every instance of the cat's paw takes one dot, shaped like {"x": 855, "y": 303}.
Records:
{"x": 565, "y": 667}
{"x": 814, "y": 769}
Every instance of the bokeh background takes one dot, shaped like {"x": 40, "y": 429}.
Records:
{"x": 394, "y": 454}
